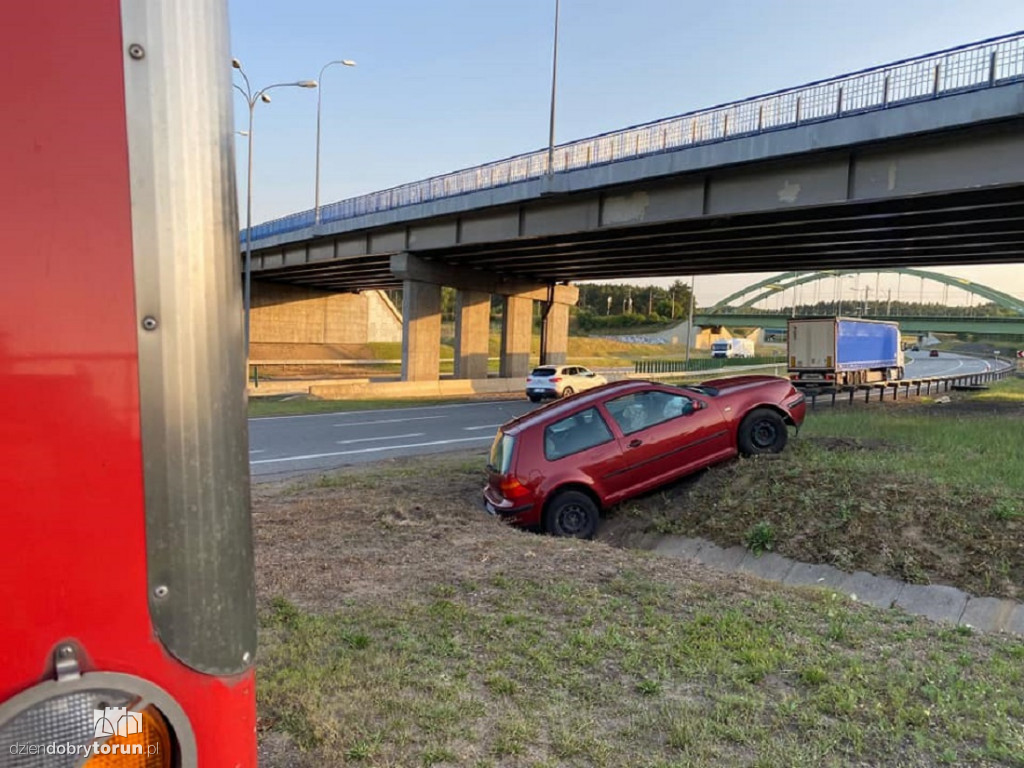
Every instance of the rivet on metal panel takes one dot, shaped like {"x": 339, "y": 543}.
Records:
{"x": 160, "y": 592}
{"x": 136, "y": 51}
{"x": 149, "y": 323}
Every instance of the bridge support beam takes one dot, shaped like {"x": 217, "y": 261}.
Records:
{"x": 516, "y": 333}
{"x": 472, "y": 332}
{"x": 421, "y": 331}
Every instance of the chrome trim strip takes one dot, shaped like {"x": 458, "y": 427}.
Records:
{"x": 177, "y": 77}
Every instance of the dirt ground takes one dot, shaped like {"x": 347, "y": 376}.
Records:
{"x": 359, "y": 538}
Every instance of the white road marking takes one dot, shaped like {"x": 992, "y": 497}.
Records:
{"x": 367, "y": 450}
{"x": 340, "y": 414}
{"x": 388, "y": 437}
{"x": 388, "y": 421}
{"x": 259, "y": 451}
{"x": 485, "y": 426}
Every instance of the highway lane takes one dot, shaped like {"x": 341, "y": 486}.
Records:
{"x": 920, "y": 366}
{"x": 288, "y": 445}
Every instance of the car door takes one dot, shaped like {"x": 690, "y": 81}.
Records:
{"x": 580, "y": 448}
{"x": 585, "y": 378}
{"x": 664, "y": 435}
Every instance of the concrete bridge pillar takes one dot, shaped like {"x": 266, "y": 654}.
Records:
{"x": 421, "y": 308}
{"x": 472, "y": 332}
{"x": 555, "y": 334}
{"x": 516, "y": 333}
{"x": 421, "y": 331}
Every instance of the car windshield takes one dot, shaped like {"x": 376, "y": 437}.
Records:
{"x": 501, "y": 453}
{"x": 543, "y": 372}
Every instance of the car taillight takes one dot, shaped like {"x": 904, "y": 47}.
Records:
{"x": 555, "y": 379}
{"x": 511, "y": 488}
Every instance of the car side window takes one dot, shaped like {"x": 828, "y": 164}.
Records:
{"x": 645, "y": 409}
{"x": 576, "y": 433}
{"x": 570, "y": 371}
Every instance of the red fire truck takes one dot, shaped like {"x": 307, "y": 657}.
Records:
{"x": 127, "y": 633}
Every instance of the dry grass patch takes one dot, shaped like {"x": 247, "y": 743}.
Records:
{"x": 401, "y": 626}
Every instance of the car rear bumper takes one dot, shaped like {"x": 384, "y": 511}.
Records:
{"x": 523, "y": 514}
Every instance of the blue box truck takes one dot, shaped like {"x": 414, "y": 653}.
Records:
{"x": 843, "y": 351}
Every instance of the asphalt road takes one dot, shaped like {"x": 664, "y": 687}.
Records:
{"x": 287, "y": 445}
{"x": 920, "y": 366}
{"x": 294, "y": 444}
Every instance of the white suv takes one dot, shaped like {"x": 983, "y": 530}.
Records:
{"x": 560, "y": 381}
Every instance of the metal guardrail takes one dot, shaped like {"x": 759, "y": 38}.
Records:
{"x": 974, "y": 66}
{"x": 890, "y": 390}
{"x": 702, "y": 364}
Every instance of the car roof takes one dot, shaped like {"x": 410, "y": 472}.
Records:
{"x": 558, "y": 409}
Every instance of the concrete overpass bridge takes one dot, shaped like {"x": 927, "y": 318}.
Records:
{"x": 920, "y": 162}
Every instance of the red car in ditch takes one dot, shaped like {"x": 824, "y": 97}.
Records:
{"x": 557, "y": 467}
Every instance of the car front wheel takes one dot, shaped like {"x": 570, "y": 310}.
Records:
{"x": 572, "y": 513}
{"x": 762, "y": 431}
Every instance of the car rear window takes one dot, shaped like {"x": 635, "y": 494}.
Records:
{"x": 574, "y": 434}
{"x": 501, "y": 453}
{"x": 543, "y": 372}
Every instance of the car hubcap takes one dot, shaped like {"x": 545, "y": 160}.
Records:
{"x": 764, "y": 434}
{"x": 572, "y": 519}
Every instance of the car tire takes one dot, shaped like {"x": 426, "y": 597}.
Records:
{"x": 568, "y": 392}
{"x": 534, "y": 398}
{"x": 762, "y": 431}
{"x": 573, "y": 514}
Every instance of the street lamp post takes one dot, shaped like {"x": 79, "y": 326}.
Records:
{"x": 251, "y": 98}
{"x": 554, "y": 83}
{"x": 319, "y": 99}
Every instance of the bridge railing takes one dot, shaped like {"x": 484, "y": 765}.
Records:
{"x": 970, "y": 67}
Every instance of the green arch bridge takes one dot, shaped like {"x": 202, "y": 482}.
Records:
{"x": 729, "y": 313}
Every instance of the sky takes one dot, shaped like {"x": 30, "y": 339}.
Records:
{"x": 441, "y": 85}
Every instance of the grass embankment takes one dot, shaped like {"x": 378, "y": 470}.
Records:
{"x": 929, "y": 493}
{"x": 593, "y": 352}
{"x": 400, "y": 626}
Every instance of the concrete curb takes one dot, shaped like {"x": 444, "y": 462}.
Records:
{"x": 937, "y": 602}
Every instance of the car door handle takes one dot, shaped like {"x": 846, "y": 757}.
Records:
{"x": 636, "y": 442}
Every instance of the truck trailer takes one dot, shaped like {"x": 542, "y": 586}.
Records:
{"x": 843, "y": 351}
{"x": 732, "y": 348}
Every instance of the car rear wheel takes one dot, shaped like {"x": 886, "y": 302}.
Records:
{"x": 568, "y": 391}
{"x": 572, "y": 513}
{"x": 534, "y": 398}
{"x": 762, "y": 431}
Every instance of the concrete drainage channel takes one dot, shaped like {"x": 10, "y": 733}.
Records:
{"x": 937, "y": 602}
